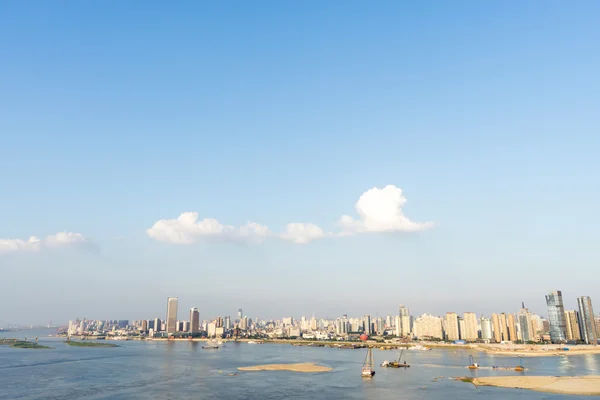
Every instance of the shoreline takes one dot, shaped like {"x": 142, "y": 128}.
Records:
{"x": 514, "y": 350}
{"x": 572, "y": 385}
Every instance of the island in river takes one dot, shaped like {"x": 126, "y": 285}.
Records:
{"x": 299, "y": 367}
{"x": 576, "y": 385}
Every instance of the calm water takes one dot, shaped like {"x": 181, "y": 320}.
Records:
{"x": 182, "y": 370}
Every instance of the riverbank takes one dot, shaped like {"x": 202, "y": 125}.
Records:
{"x": 574, "y": 385}
{"x": 299, "y": 367}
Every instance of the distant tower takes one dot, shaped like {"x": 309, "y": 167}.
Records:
{"x": 587, "y": 323}
{"x": 194, "y": 320}
{"x": 171, "y": 315}
{"x": 240, "y": 314}
{"x": 556, "y": 316}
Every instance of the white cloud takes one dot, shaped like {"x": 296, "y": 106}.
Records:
{"x": 380, "y": 210}
{"x": 302, "y": 233}
{"x": 186, "y": 229}
{"x": 34, "y": 244}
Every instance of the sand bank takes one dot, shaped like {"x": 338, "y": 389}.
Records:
{"x": 300, "y": 367}
{"x": 537, "y": 351}
{"x": 578, "y": 385}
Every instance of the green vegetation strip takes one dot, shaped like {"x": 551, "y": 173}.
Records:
{"x": 21, "y": 344}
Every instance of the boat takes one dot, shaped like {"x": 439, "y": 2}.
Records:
{"x": 472, "y": 363}
{"x": 367, "y": 368}
{"x": 211, "y": 345}
{"x": 419, "y": 347}
{"x": 255, "y": 342}
{"x": 397, "y": 363}
{"x": 520, "y": 367}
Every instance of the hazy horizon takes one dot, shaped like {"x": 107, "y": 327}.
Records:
{"x": 297, "y": 158}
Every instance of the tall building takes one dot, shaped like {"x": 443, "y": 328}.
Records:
{"x": 556, "y": 316}
{"x": 227, "y": 323}
{"x": 428, "y": 326}
{"x": 157, "y": 324}
{"x": 398, "y": 327}
{"x": 240, "y": 314}
{"x": 405, "y": 320}
{"x": 452, "y": 331}
{"x": 368, "y": 328}
{"x": 572, "y": 320}
{"x": 525, "y": 324}
{"x": 587, "y": 321}
{"x": 486, "y": 329}
{"x": 470, "y": 331}
{"x": 171, "y": 315}
{"x": 512, "y": 327}
{"x": 194, "y": 320}
{"x": 497, "y": 328}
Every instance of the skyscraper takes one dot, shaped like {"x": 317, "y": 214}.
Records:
{"x": 405, "y": 320}
{"x": 572, "y": 319}
{"x": 194, "y": 320}
{"x": 556, "y": 316}
{"x": 171, "y": 315}
{"x": 512, "y": 327}
{"x": 157, "y": 325}
{"x": 470, "y": 331}
{"x": 497, "y": 328}
{"x": 525, "y": 324}
{"x": 240, "y": 314}
{"x": 587, "y": 323}
{"x": 368, "y": 328}
{"x": 452, "y": 331}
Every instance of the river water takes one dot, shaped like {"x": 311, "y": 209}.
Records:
{"x": 183, "y": 370}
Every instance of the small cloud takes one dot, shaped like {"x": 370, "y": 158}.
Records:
{"x": 34, "y": 244}
{"x": 301, "y": 233}
{"x": 380, "y": 210}
{"x": 186, "y": 229}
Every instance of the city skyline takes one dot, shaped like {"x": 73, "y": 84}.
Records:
{"x": 561, "y": 326}
{"x": 439, "y": 156}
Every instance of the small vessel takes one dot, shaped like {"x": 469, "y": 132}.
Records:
{"x": 367, "y": 368}
{"x": 212, "y": 345}
{"x": 397, "y": 363}
{"x": 419, "y": 347}
{"x": 520, "y": 367}
{"x": 472, "y": 363}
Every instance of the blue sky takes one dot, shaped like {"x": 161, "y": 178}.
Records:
{"x": 117, "y": 116}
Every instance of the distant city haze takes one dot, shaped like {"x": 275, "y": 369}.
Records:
{"x": 298, "y": 159}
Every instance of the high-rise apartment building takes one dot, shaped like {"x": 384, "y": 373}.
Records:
{"x": 525, "y": 324}
{"x": 227, "y": 323}
{"x": 498, "y": 331}
{"x": 368, "y": 326}
{"x": 556, "y": 316}
{"x": 157, "y": 325}
{"x": 512, "y": 327}
{"x": 405, "y": 321}
{"x": 587, "y": 320}
{"x": 451, "y": 326}
{"x": 171, "y": 315}
{"x": 428, "y": 326}
{"x": 194, "y": 320}
{"x": 572, "y": 320}
{"x": 470, "y": 331}
{"x": 486, "y": 329}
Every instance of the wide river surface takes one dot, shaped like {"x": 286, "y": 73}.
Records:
{"x": 183, "y": 370}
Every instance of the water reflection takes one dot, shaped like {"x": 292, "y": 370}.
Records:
{"x": 591, "y": 363}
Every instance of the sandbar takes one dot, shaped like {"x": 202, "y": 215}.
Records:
{"x": 536, "y": 351}
{"x": 299, "y": 367}
{"x": 577, "y": 385}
